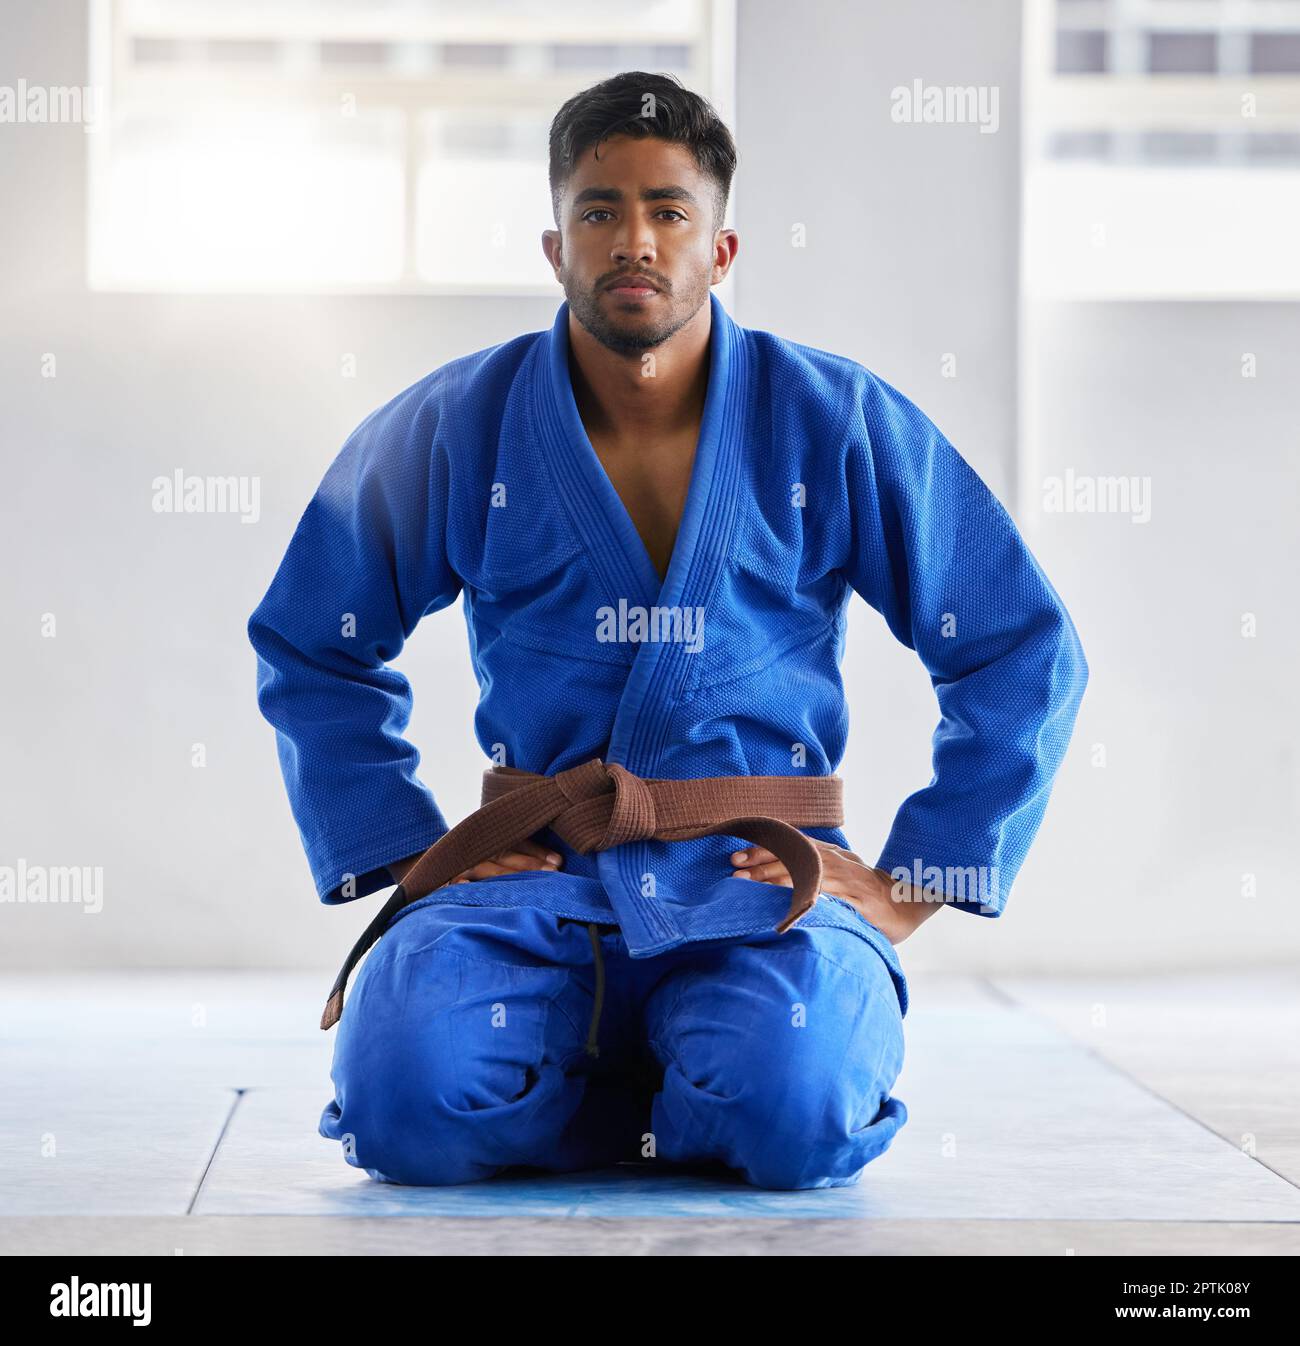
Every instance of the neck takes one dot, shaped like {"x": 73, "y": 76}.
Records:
{"x": 617, "y": 399}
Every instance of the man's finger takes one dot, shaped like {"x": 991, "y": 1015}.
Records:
{"x": 516, "y": 861}
{"x": 487, "y": 869}
{"x": 752, "y": 855}
{"x": 508, "y": 862}
{"x": 540, "y": 852}
{"x": 775, "y": 872}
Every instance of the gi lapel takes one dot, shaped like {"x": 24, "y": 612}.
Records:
{"x": 660, "y": 667}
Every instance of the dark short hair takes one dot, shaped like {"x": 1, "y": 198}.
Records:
{"x": 616, "y": 106}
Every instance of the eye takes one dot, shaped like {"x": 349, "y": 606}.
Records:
{"x": 600, "y": 210}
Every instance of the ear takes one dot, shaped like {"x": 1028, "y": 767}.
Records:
{"x": 552, "y": 246}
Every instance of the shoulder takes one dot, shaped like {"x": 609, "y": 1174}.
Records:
{"x": 430, "y": 424}
{"x": 805, "y": 374}
{"x": 858, "y": 409}
{"x": 465, "y": 384}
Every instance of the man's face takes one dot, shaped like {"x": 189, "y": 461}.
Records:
{"x": 641, "y": 213}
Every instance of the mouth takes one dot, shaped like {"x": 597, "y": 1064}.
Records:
{"x": 632, "y": 287}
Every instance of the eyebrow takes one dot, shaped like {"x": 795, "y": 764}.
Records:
{"x": 670, "y": 193}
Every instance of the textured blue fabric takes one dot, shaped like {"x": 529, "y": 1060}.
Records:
{"x": 461, "y": 1053}
{"x": 812, "y": 478}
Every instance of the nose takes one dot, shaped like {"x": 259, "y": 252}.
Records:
{"x": 634, "y": 246}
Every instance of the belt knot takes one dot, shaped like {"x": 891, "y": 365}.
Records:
{"x": 629, "y": 815}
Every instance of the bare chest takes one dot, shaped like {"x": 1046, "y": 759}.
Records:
{"x": 652, "y": 482}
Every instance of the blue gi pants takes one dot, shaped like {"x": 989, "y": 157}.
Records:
{"x": 462, "y": 1051}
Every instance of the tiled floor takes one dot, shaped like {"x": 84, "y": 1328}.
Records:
{"x": 152, "y": 1112}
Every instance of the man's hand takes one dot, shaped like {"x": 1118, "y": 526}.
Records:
{"x": 895, "y": 909}
{"x": 529, "y": 855}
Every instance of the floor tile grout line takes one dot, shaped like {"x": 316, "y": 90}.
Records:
{"x": 207, "y": 1168}
{"x": 1117, "y": 1069}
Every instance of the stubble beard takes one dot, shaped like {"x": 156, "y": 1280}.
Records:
{"x": 635, "y": 336}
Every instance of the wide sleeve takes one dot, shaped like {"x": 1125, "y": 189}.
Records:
{"x": 933, "y": 550}
{"x": 365, "y": 563}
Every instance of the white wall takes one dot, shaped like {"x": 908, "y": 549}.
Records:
{"x": 912, "y": 253}
{"x": 1201, "y": 782}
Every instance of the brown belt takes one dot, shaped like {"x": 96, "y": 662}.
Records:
{"x": 598, "y": 805}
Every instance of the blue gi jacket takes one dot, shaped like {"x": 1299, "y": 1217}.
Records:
{"x": 812, "y": 478}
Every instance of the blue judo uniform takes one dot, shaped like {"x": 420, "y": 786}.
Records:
{"x": 460, "y": 1052}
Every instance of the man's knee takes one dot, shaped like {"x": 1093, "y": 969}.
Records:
{"x": 806, "y": 1104}
{"x": 799, "y": 1129}
{"x": 464, "y": 1079}
{"x": 415, "y": 1133}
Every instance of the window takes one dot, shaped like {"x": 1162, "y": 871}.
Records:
{"x": 388, "y": 146}
{"x": 1162, "y": 143}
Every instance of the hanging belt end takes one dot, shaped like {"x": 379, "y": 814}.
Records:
{"x": 333, "y": 1011}
{"x": 798, "y": 909}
